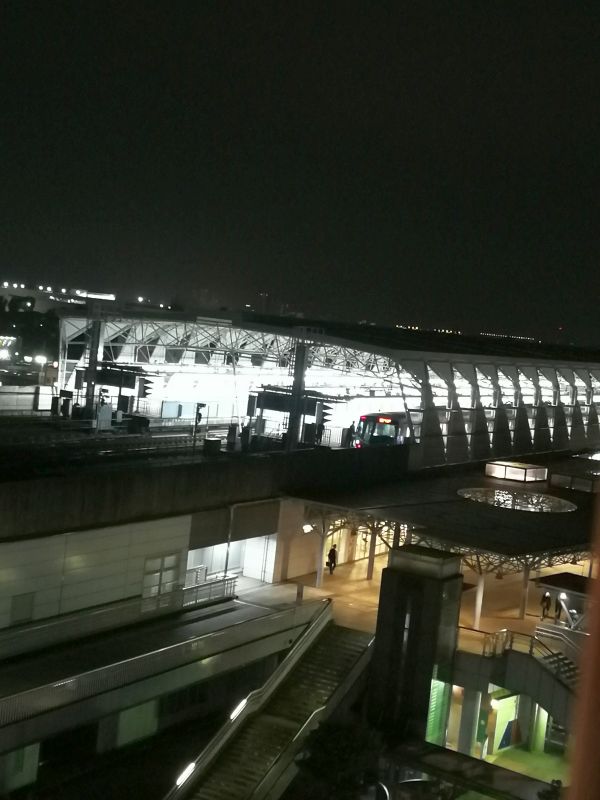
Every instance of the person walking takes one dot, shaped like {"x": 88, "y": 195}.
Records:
{"x": 332, "y": 559}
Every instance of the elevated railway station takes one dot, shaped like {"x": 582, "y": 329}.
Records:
{"x": 115, "y": 546}
{"x": 465, "y": 398}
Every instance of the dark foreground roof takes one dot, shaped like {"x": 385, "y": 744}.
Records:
{"x": 431, "y": 501}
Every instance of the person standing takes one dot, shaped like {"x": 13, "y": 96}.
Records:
{"x": 332, "y": 559}
{"x": 545, "y": 603}
{"x": 350, "y": 435}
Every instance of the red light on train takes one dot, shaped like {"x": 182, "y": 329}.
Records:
{"x": 364, "y": 416}
{"x": 384, "y": 419}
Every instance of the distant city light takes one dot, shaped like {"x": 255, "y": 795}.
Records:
{"x": 64, "y": 291}
{"x": 40, "y": 359}
{"x": 27, "y": 359}
{"x": 48, "y": 288}
{"x": 4, "y": 354}
{"x": 140, "y": 299}
{"x": 5, "y": 284}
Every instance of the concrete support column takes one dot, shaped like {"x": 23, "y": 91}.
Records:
{"x": 468, "y": 721}
{"x": 479, "y": 600}
{"x": 524, "y": 593}
{"x": 96, "y": 341}
{"x": 371, "y": 560}
{"x": 297, "y": 398}
{"x": 321, "y": 557}
{"x": 19, "y": 768}
{"x": 525, "y": 715}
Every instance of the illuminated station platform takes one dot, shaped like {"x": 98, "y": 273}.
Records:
{"x": 464, "y": 398}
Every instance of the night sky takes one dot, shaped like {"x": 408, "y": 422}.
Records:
{"x": 432, "y": 163}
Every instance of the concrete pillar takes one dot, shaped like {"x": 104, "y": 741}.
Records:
{"x": 19, "y": 767}
{"x": 415, "y": 642}
{"x": 537, "y": 737}
{"x": 321, "y": 557}
{"x": 371, "y": 559}
{"x": 524, "y": 593}
{"x": 469, "y": 719}
{"x": 525, "y": 715}
{"x": 479, "y": 600}
{"x": 297, "y": 398}
{"x": 96, "y": 341}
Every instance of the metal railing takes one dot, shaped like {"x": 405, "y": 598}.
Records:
{"x": 73, "y": 688}
{"x": 294, "y": 747}
{"x": 66, "y": 627}
{"x": 249, "y": 705}
{"x": 571, "y": 642}
{"x": 502, "y": 641}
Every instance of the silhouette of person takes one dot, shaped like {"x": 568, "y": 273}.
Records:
{"x": 350, "y": 435}
{"x": 332, "y": 559}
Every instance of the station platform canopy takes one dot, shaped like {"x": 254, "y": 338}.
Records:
{"x": 496, "y": 537}
{"x": 567, "y": 582}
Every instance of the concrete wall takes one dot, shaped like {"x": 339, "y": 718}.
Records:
{"x": 59, "y": 574}
{"x": 89, "y": 499}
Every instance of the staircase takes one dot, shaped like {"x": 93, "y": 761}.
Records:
{"x": 562, "y": 667}
{"x": 240, "y": 769}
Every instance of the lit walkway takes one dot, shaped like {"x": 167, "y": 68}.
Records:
{"x": 356, "y": 599}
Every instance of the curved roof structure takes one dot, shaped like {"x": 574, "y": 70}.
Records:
{"x": 466, "y": 397}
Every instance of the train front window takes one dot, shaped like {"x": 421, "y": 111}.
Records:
{"x": 385, "y": 429}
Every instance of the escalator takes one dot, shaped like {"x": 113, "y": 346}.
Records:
{"x": 264, "y": 746}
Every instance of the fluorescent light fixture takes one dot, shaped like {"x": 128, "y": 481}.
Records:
{"x": 307, "y": 528}
{"x": 516, "y": 471}
{"x": 562, "y": 596}
{"x": 238, "y": 709}
{"x": 185, "y": 774}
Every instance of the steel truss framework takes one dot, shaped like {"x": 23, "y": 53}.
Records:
{"x": 480, "y": 561}
{"x": 459, "y": 407}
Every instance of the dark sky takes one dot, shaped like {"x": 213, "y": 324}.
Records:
{"x": 435, "y": 163}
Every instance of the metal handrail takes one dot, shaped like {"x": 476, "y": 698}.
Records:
{"x": 249, "y": 705}
{"x": 504, "y": 640}
{"x": 73, "y": 688}
{"x": 88, "y": 621}
{"x": 575, "y": 650}
{"x": 316, "y": 715}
